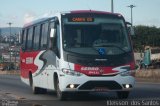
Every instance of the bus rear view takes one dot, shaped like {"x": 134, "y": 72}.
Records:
{"x": 78, "y": 51}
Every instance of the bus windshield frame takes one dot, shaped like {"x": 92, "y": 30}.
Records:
{"x": 91, "y": 34}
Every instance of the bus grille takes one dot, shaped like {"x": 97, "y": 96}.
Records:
{"x": 110, "y": 85}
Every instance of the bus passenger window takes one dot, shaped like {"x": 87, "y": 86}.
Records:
{"x": 44, "y": 36}
{"x": 29, "y": 39}
{"x": 22, "y": 37}
{"x": 36, "y": 37}
{"x": 24, "y": 33}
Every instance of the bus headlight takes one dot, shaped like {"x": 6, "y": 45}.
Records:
{"x": 126, "y": 73}
{"x": 71, "y": 72}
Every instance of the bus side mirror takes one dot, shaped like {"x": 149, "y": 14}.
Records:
{"x": 130, "y": 29}
{"x": 52, "y": 38}
{"x": 52, "y": 33}
{"x": 56, "y": 21}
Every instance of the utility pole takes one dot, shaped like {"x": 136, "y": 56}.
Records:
{"x": 131, "y": 6}
{"x": 0, "y": 45}
{"x": 0, "y": 32}
{"x": 10, "y": 44}
{"x": 112, "y": 6}
{"x": 0, "y": 35}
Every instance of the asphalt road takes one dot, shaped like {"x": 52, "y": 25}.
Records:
{"x": 12, "y": 85}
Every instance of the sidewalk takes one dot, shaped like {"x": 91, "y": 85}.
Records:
{"x": 149, "y": 80}
{"x": 15, "y": 72}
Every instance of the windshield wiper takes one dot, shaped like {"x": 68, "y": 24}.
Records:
{"x": 110, "y": 45}
{"x": 95, "y": 50}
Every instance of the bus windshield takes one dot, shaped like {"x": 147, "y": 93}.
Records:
{"x": 89, "y": 35}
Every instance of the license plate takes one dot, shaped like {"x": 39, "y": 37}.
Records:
{"x": 101, "y": 89}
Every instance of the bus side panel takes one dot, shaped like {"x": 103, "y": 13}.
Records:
{"x": 27, "y": 64}
{"x": 46, "y": 61}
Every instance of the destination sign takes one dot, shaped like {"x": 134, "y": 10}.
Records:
{"x": 81, "y": 19}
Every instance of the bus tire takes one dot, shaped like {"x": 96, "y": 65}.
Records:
{"x": 38, "y": 90}
{"x": 30, "y": 79}
{"x": 60, "y": 95}
{"x": 123, "y": 94}
{"x": 35, "y": 90}
{"x": 42, "y": 90}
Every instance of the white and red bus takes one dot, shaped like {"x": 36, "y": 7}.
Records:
{"x": 78, "y": 51}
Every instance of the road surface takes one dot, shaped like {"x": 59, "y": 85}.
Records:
{"x": 12, "y": 86}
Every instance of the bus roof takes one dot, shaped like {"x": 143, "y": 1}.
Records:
{"x": 93, "y": 11}
{"x": 35, "y": 21}
{"x": 71, "y": 12}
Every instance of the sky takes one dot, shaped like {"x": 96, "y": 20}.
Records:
{"x": 20, "y": 12}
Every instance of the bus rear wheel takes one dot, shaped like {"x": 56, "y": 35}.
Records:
{"x": 123, "y": 94}
{"x": 36, "y": 90}
{"x": 60, "y": 95}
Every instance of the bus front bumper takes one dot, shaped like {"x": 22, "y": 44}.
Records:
{"x": 100, "y": 83}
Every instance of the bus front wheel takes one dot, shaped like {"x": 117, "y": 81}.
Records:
{"x": 60, "y": 95}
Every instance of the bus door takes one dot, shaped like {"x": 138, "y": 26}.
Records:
{"x": 54, "y": 45}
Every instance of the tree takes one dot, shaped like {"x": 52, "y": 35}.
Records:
{"x": 146, "y": 36}
{"x": 0, "y": 59}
